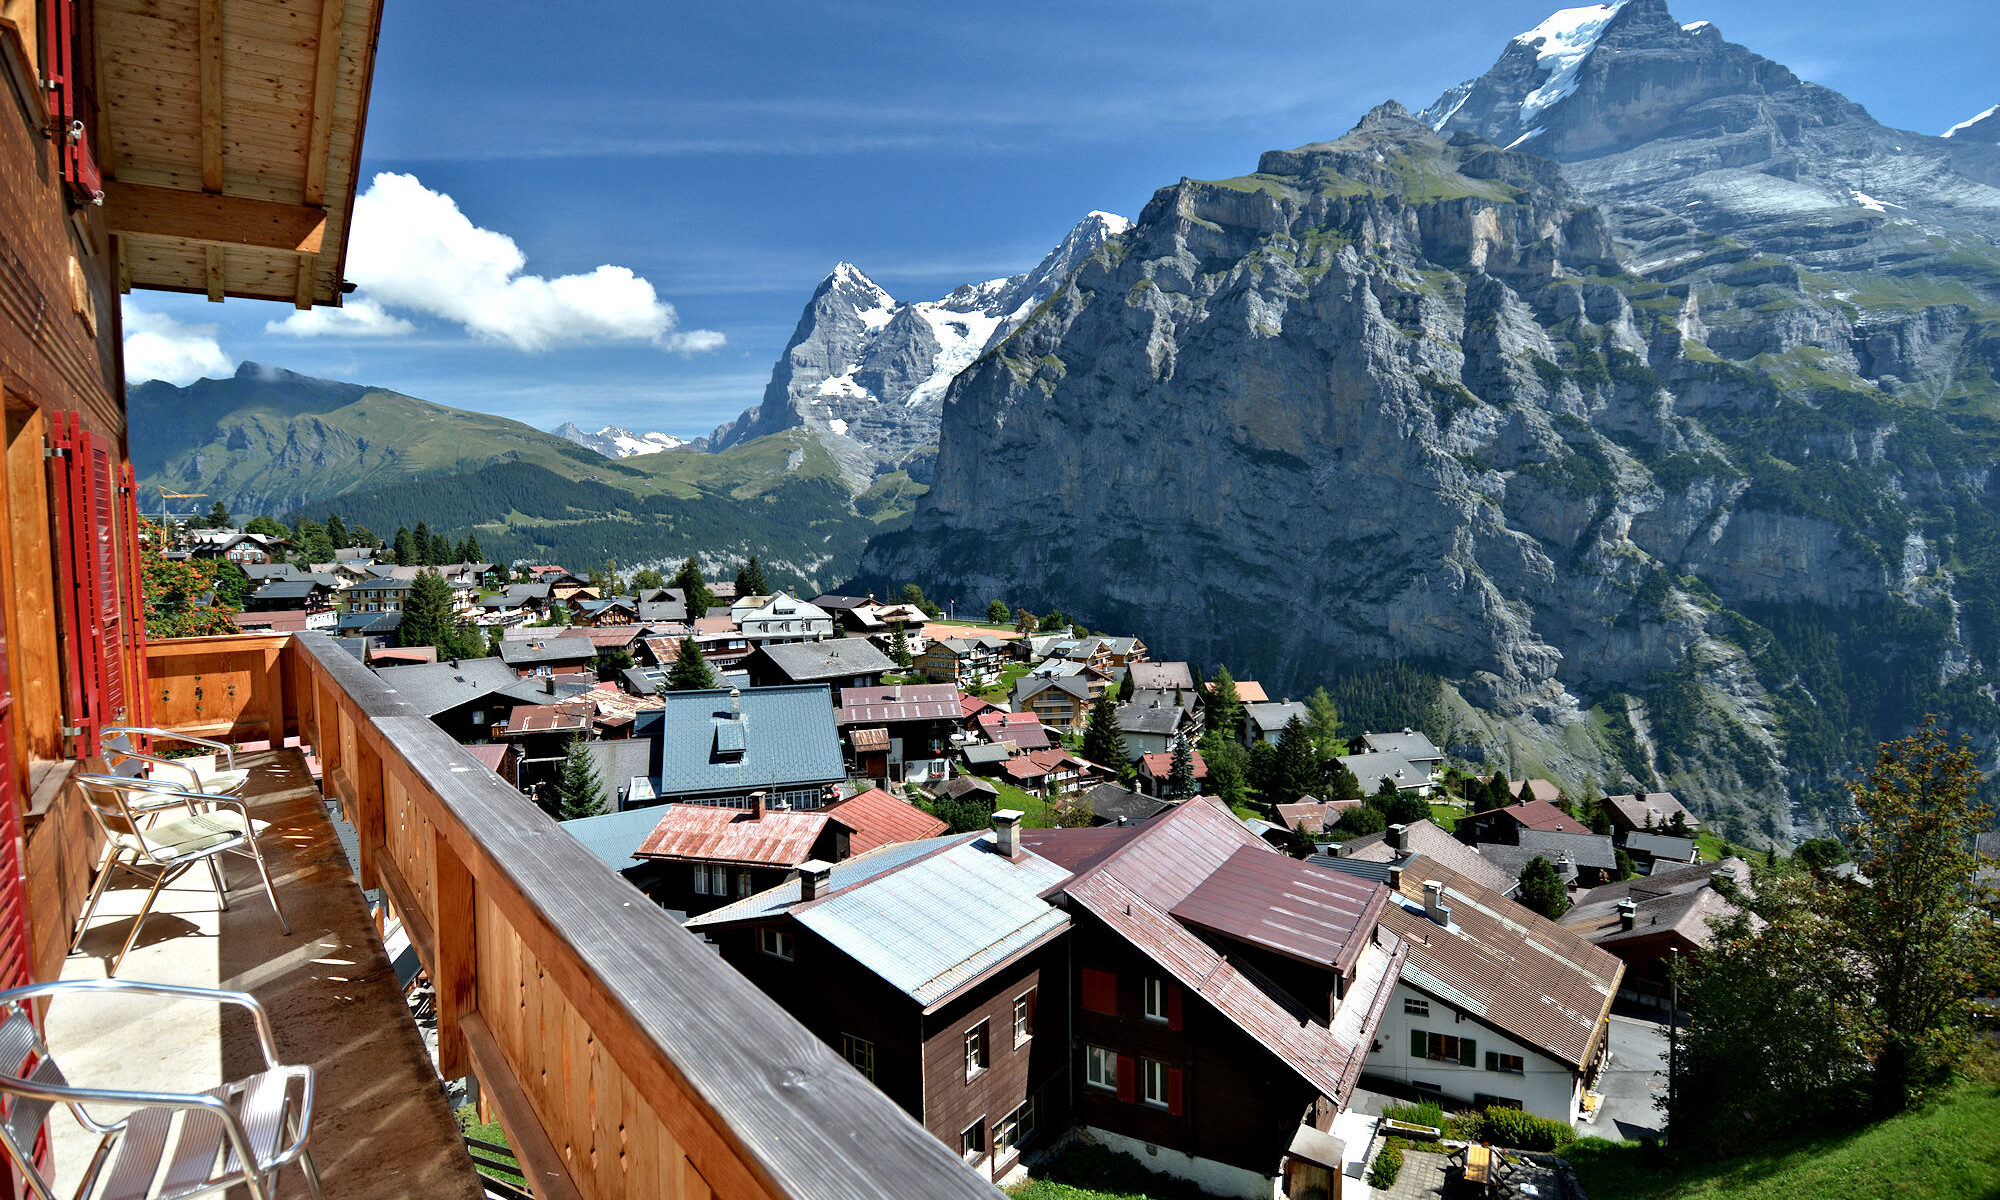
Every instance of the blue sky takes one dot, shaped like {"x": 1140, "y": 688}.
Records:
{"x": 701, "y": 167}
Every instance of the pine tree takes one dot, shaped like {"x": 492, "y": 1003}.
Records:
{"x": 1499, "y": 792}
{"x": 688, "y": 579}
{"x": 421, "y": 539}
{"x": 469, "y": 551}
{"x": 1323, "y": 722}
{"x": 1180, "y": 782}
{"x": 336, "y": 529}
{"x": 1103, "y": 741}
{"x": 579, "y": 790}
{"x": 1225, "y": 708}
{"x": 427, "y": 616}
{"x": 439, "y": 552}
{"x": 1542, "y": 888}
{"x": 218, "y": 515}
{"x": 690, "y": 672}
{"x": 750, "y": 579}
{"x": 1341, "y": 783}
{"x": 899, "y": 647}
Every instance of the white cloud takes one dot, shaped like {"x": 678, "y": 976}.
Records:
{"x": 355, "y": 319}
{"x": 413, "y": 250}
{"x": 159, "y": 347}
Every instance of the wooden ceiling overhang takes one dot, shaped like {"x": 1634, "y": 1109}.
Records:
{"x": 229, "y": 138}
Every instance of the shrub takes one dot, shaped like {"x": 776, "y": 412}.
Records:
{"x": 1388, "y": 1165}
{"x": 1523, "y": 1130}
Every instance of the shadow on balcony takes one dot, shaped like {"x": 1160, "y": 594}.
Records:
{"x": 381, "y": 1127}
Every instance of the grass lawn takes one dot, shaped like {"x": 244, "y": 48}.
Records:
{"x": 1095, "y": 1173}
{"x": 1003, "y": 690}
{"x": 1037, "y": 811}
{"x": 1445, "y": 816}
{"x": 1714, "y": 849}
{"x": 1949, "y": 1151}
{"x": 490, "y": 1133}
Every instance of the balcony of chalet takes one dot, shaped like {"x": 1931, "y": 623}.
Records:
{"x": 621, "y": 1058}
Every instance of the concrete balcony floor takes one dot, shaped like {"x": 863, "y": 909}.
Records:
{"x": 380, "y": 1126}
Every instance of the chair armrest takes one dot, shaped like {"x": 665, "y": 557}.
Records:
{"x": 304, "y": 1074}
{"x": 224, "y": 748}
{"x": 73, "y": 987}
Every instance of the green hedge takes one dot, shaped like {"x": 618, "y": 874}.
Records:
{"x": 1388, "y": 1165}
{"x": 1519, "y": 1129}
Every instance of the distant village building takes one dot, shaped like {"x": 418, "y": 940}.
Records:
{"x": 720, "y": 747}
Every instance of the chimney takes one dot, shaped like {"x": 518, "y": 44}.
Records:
{"x": 814, "y": 876}
{"x": 1434, "y": 906}
{"x": 1396, "y": 836}
{"x": 735, "y": 702}
{"x": 549, "y": 684}
{"x": 1395, "y": 877}
{"x": 1628, "y": 914}
{"x": 1007, "y": 831}
{"x": 756, "y": 806}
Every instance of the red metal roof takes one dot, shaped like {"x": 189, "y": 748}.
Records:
{"x": 732, "y": 835}
{"x": 1540, "y": 814}
{"x": 877, "y": 819}
{"x": 876, "y": 738}
{"x": 545, "y": 718}
{"x": 1301, "y": 911}
{"x": 900, "y": 702}
{"x": 1161, "y": 765}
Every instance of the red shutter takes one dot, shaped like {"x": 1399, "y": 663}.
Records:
{"x": 140, "y": 698}
{"x": 1128, "y": 1078}
{"x": 59, "y": 58}
{"x": 102, "y": 480}
{"x": 1173, "y": 1006}
{"x": 1100, "y": 991}
{"x": 1174, "y": 1090}
{"x": 82, "y": 484}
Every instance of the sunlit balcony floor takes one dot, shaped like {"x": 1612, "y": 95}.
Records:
{"x": 381, "y": 1127}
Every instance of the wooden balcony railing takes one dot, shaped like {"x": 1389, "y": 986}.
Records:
{"x": 624, "y": 1059}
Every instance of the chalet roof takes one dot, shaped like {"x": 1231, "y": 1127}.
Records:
{"x": 289, "y": 589}
{"x": 612, "y": 836}
{"x": 841, "y": 603}
{"x": 1249, "y": 691}
{"x": 1676, "y": 899}
{"x": 788, "y": 739}
{"x": 492, "y": 754}
{"x": 988, "y": 754}
{"x": 1310, "y": 816}
{"x": 1370, "y": 768}
{"x": 432, "y": 688}
{"x": 531, "y": 651}
{"x": 1037, "y": 763}
{"x": 877, "y": 819}
{"x": 1634, "y": 810}
{"x": 899, "y": 702}
{"x": 1537, "y": 814}
{"x": 1661, "y": 846}
{"x": 1031, "y": 685}
{"x": 1584, "y": 849}
{"x": 545, "y": 718}
{"x": 1109, "y": 803}
{"x": 967, "y": 785}
{"x": 369, "y": 622}
{"x": 835, "y": 658}
{"x": 1150, "y": 716}
{"x": 1412, "y": 745}
{"x": 1161, "y": 765}
{"x": 1162, "y": 675}
{"x": 1269, "y": 718}
{"x": 1512, "y": 968}
{"x": 1537, "y": 789}
{"x": 1297, "y": 910}
{"x": 1426, "y": 838}
{"x": 705, "y": 833}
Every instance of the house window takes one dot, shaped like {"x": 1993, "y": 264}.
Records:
{"x": 1010, "y": 1129}
{"x": 701, "y": 881}
{"x": 972, "y": 1143}
{"x": 1156, "y": 998}
{"x": 1416, "y": 1008}
{"x": 743, "y": 882}
{"x": 1511, "y": 1064}
{"x": 775, "y": 942}
{"x": 860, "y": 1052}
{"x": 978, "y": 1052}
{"x": 1154, "y": 1073}
{"x": 1024, "y": 1016}
{"x": 1100, "y": 1068}
{"x": 718, "y": 880}
{"x": 1443, "y": 1047}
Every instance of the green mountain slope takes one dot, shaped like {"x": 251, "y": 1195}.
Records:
{"x": 271, "y": 441}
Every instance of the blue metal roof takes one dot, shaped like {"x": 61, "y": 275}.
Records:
{"x": 788, "y": 738}
{"x": 614, "y": 836}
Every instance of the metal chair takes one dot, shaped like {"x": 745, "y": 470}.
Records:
{"x": 167, "y": 849}
{"x": 242, "y": 1133}
{"x": 122, "y": 756}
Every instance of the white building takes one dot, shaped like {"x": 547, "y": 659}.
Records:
{"x": 780, "y": 618}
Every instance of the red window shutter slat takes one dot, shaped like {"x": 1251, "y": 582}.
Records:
{"x": 1174, "y": 1090}
{"x": 75, "y": 581}
{"x": 1100, "y": 991}
{"x": 102, "y": 483}
{"x": 1128, "y": 1078}
{"x": 138, "y": 694}
{"x": 1173, "y": 1006}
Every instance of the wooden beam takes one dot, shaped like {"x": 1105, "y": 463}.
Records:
{"x": 215, "y": 279}
{"x": 541, "y": 1163}
{"x": 332, "y": 14}
{"x": 211, "y": 95}
{"x": 142, "y": 210}
{"x": 302, "y": 295}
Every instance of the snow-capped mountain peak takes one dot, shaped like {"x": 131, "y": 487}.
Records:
{"x": 1985, "y": 127}
{"x": 614, "y": 442}
{"x": 1562, "y": 43}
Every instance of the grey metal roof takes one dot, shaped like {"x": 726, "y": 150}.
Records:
{"x": 1150, "y": 717}
{"x": 370, "y": 622}
{"x": 1372, "y": 768}
{"x": 1584, "y": 849}
{"x": 1029, "y": 686}
{"x": 613, "y": 836}
{"x": 847, "y": 873}
{"x": 835, "y": 658}
{"x": 1360, "y": 868}
{"x": 535, "y": 690}
{"x": 1273, "y": 715}
{"x": 943, "y": 919}
{"x": 1661, "y": 845}
{"x": 788, "y": 733}
{"x": 1108, "y": 802}
{"x": 433, "y": 688}
{"x": 643, "y": 681}
{"x": 983, "y": 754}
{"x": 561, "y": 649}
{"x": 287, "y": 589}
{"x": 674, "y": 611}
{"x": 621, "y": 761}
{"x": 1409, "y": 743}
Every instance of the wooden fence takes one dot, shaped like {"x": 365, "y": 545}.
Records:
{"x": 624, "y": 1059}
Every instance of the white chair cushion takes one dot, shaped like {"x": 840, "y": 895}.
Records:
{"x": 189, "y": 835}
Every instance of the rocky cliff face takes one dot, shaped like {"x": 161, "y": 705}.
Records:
{"x": 1710, "y": 525}
{"x": 867, "y": 373}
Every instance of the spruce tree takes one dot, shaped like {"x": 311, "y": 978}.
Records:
{"x": 688, "y": 579}
{"x": 420, "y": 537}
{"x": 1103, "y": 741}
{"x": 1542, "y": 888}
{"x": 439, "y": 552}
{"x": 1225, "y": 709}
{"x": 218, "y": 515}
{"x": 1499, "y": 792}
{"x": 750, "y": 579}
{"x": 1323, "y": 722}
{"x": 336, "y": 529}
{"x": 1181, "y": 782}
{"x": 469, "y": 551}
{"x": 579, "y": 790}
{"x": 899, "y": 647}
{"x": 1341, "y": 783}
{"x": 427, "y": 616}
{"x": 690, "y": 672}
{"x": 1298, "y": 764}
